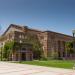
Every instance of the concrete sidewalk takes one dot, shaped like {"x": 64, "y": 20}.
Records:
{"x": 23, "y": 69}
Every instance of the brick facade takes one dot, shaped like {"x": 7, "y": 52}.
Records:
{"x": 53, "y": 43}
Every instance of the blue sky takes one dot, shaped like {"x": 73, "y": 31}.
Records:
{"x": 54, "y": 15}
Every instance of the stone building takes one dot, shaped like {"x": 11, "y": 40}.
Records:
{"x": 53, "y": 43}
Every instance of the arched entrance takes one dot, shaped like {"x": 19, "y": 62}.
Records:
{"x": 23, "y": 54}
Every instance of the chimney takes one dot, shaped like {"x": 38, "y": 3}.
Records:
{"x": 25, "y": 28}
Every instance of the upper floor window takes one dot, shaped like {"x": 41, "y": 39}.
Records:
{"x": 20, "y": 36}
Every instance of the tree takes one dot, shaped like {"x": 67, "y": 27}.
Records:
{"x": 7, "y": 51}
{"x": 37, "y": 47}
{"x": 69, "y": 48}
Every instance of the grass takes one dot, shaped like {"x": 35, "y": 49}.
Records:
{"x": 67, "y": 64}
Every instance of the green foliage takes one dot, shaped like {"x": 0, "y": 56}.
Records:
{"x": 37, "y": 47}
{"x": 54, "y": 54}
{"x": 44, "y": 59}
{"x": 7, "y": 49}
{"x": 69, "y": 47}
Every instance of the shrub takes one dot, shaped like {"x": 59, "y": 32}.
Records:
{"x": 44, "y": 59}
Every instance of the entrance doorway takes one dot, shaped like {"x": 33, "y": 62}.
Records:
{"x": 23, "y": 56}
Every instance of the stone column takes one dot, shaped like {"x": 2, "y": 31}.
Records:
{"x": 26, "y": 54}
{"x": 62, "y": 49}
{"x": 19, "y": 56}
{"x": 14, "y": 56}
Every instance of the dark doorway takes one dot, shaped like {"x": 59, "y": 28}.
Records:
{"x": 23, "y": 56}
{"x": 59, "y": 55}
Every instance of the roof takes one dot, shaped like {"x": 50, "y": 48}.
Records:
{"x": 59, "y": 33}
{"x": 20, "y": 27}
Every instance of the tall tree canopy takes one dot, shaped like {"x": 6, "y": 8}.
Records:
{"x": 69, "y": 47}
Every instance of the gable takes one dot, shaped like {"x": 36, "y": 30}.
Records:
{"x": 12, "y": 28}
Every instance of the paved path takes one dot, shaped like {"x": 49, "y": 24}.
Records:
{"x": 22, "y": 69}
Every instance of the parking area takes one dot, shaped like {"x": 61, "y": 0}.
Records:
{"x": 7, "y": 68}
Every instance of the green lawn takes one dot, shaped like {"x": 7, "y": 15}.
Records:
{"x": 52, "y": 63}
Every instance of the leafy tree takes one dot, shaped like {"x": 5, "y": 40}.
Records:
{"x": 69, "y": 48}
{"x": 7, "y": 49}
{"x": 37, "y": 47}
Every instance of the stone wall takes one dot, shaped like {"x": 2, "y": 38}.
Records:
{"x": 53, "y": 43}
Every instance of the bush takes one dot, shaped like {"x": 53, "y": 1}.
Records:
{"x": 44, "y": 59}
{"x": 60, "y": 58}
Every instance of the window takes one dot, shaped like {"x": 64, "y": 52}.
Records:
{"x": 20, "y": 41}
{"x": 20, "y": 36}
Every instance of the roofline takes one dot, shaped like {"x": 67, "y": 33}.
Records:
{"x": 20, "y": 27}
{"x": 6, "y": 30}
{"x": 34, "y": 30}
{"x": 59, "y": 33}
